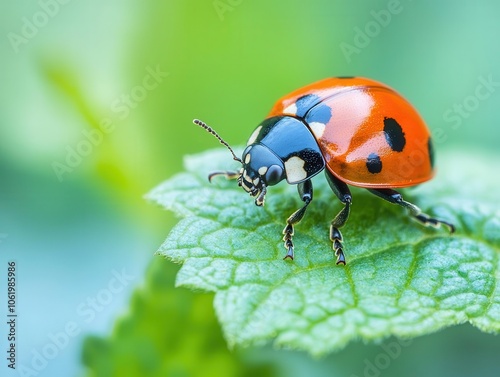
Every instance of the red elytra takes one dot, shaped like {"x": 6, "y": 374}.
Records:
{"x": 368, "y": 118}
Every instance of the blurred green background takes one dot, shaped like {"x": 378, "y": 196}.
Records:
{"x": 96, "y": 103}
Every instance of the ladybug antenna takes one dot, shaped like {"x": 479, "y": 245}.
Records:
{"x": 211, "y": 130}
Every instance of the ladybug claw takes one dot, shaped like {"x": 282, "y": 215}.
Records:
{"x": 436, "y": 223}
{"x": 336, "y": 238}
{"x": 289, "y": 246}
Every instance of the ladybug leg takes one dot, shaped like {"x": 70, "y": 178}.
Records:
{"x": 344, "y": 194}
{"x": 395, "y": 197}
{"x": 305, "y": 190}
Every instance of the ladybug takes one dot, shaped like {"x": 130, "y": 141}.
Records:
{"x": 362, "y": 131}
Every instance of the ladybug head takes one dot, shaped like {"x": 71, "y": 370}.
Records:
{"x": 260, "y": 167}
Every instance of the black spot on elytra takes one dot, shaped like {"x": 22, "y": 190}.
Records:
{"x": 430, "y": 149}
{"x": 373, "y": 163}
{"x": 394, "y": 134}
{"x": 345, "y": 77}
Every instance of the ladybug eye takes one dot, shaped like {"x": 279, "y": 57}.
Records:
{"x": 274, "y": 174}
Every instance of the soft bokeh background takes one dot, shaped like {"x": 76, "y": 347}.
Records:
{"x": 142, "y": 71}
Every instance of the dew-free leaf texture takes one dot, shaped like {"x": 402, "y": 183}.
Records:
{"x": 401, "y": 278}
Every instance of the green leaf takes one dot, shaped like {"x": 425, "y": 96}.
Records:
{"x": 401, "y": 278}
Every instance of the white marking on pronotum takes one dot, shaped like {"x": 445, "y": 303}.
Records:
{"x": 254, "y": 135}
{"x": 247, "y": 158}
{"x": 262, "y": 170}
{"x": 295, "y": 171}
{"x": 318, "y": 129}
{"x": 290, "y": 109}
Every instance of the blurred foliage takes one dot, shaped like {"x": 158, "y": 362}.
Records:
{"x": 167, "y": 333}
